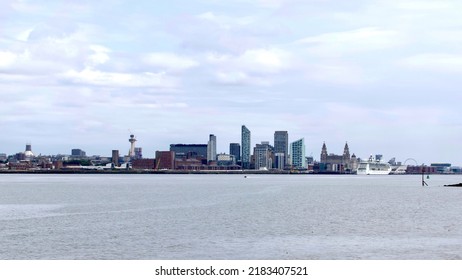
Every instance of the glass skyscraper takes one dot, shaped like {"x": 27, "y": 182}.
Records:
{"x": 297, "y": 153}
{"x": 235, "y": 150}
{"x": 281, "y": 146}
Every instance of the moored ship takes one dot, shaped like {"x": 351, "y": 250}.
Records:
{"x": 373, "y": 167}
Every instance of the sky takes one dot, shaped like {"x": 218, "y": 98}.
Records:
{"x": 382, "y": 75}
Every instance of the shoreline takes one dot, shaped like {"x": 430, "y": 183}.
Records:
{"x": 179, "y": 172}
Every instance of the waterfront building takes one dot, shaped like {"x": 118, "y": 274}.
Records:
{"x": 297, "y": 154}
{"x": 212, "y": 148}
{"x": 281, "y": 145}
{"x": 263, "y": 154}
{"x": 245, "y": 144}
{"x": 419, "y": 169}
{"x": 115, "y": 158}
{"x": 187, "y": 151}
{"x": 225, "y": 160}
{"x": 338, "y": 163}
{"x": 146, "y": 163}
{"x": 279, "y": 160}
{"x": 442, "y": 167}
{"x": 165, "y": 160}
{"x": 235, "y": 150}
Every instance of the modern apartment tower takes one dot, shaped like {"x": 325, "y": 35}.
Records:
{"x": 281, "y": 146}
{"x": 235, "y": 150}
{"x": 245, "y": 144}
{"x": 297, "y": 153}
{"x": 212, "y": 148}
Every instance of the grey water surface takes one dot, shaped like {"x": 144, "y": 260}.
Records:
{"x": 151, "y": 216}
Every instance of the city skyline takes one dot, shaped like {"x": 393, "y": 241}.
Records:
{"x": 380, "y": 75}
{"x": 210, "y": 152}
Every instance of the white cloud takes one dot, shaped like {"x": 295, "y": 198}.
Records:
{"x": 337, "y": 73}
{"x": 241, "y": 78}
{"x": 254, "y": 66}
{"x": 170, "y": 61}
{"x": 420, "y": 5}
{"x": 352, "y": 41}
{"x": 435, "y": 62}
{"x": 226, "y": 22}
{"x": 90, "y": 76}
{"x": 7, "y": 59}
{"x": 100, "y": 55}
{"x": 24, "y": 35}
{"x": 264, "y": 61}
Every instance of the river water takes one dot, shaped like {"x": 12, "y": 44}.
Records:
{"x": 124, "y": 216}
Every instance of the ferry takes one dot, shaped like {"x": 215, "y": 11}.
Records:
{"x": 373, "y": 167}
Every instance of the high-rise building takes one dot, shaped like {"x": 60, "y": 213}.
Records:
{"x": 281, "y": 145}
{"x": 297, "y": 153}
{"x": 235, "y": 150}
{"x": 245, "y": 144}
{"x": 263, "y": 156}
{"x": 212, "y": 148}
{"x": 115, "y": 157}
{"x": 138, "y": 153}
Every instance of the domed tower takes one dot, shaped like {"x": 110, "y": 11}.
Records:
{"x": 354, "y": 163}
{"x": 28, "y": 153}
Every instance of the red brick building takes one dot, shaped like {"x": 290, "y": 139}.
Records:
{"x": 165, "y": 160}
{"x": 145, "y": 163}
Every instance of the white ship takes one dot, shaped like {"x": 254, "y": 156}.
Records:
{"x": 373, "y": 167}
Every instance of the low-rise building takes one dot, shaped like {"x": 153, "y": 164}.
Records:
{"x": 144, "y": 163}
{"x": 165, "y": 160}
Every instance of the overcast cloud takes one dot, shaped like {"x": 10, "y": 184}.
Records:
{"x": 382, "y": 75}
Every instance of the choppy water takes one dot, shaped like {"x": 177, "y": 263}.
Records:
{"x": 229, "y": 217}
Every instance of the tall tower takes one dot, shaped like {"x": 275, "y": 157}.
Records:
{"x": 281, "y": 145}
{"x": 324, "y": 153}
{"x": 132, "y": 141}
{"x": 245, "y": 144}
{"x": 346, "y": 153}
{"x": 212, "y": 148}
